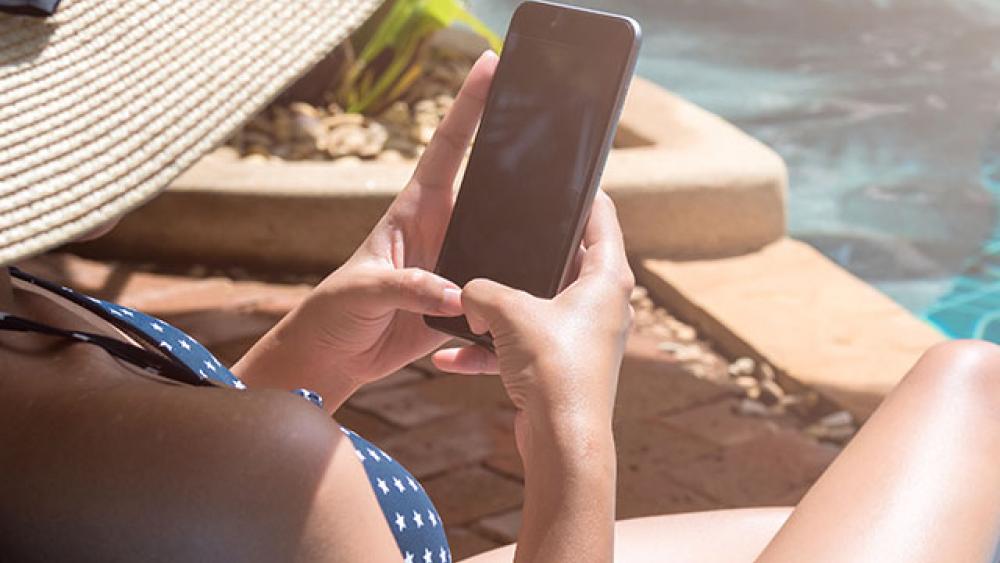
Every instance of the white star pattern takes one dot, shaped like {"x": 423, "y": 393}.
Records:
{"x": 382, "y": 486}
{"x": 418, "y": 519}
{"x": 127, "y": 313}
{"x": 155, "y": 326}
{"x": 373, "y": 455}
{"x": 239, "y": 384}
{"x": 400, "y": 522}
{"x": 209, "y": 365}
{"x": 444, "y": 555}
{"x": 184, "y": 344}
{"x": 115, "y": 313}
{"x": 361, "y": 456}
{"x": 433, "y": 518}
{"x": 386, "y": 456}
{"x": 399, "y": 484}
{"x": 203, "y": 374}
{"x": 164, "y": 344}
{"x": 413, "y": 484}
{"x": 95, "y": 300}
{"x": 409, "y": 558}
{"x": 428, "y": 556}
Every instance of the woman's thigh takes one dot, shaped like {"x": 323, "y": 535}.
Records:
{"x": 920, "y": 481}
{"x": 722, "y": 536}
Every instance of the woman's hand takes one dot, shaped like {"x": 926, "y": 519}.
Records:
{"x": 364, "y": 320}
{"x": 558, "y": 358}
{"x": 559, "y": 362}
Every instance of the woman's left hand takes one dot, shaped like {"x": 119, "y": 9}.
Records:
{"x": 364, "y": 320}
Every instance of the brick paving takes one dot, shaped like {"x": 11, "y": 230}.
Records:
{"x": 682, "y": 444}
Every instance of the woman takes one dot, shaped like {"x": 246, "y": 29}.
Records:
{"x": 121, "y": 439}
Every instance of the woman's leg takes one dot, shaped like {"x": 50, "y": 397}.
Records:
{"x": 719, "y": 536}
{"x": 921, "y": 480}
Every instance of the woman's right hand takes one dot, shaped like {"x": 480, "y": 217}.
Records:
{"x": 558, "y": 358}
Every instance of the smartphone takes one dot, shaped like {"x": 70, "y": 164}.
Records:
{"x": 536, "y": 163}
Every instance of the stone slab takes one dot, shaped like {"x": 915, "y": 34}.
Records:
{"x": 686, "y": 182}
{"x": 791, "y": 307}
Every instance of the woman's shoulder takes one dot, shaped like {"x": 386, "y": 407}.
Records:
{"x": 255, "y": 475}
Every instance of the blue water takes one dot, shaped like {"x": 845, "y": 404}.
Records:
{"x": 887, "y": 113}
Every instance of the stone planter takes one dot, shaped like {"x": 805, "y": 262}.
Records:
{"x": 687, "y": 185}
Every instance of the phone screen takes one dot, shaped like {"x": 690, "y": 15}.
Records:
{"x": 546, "y": 125}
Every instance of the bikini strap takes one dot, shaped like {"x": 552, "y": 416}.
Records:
{"x": 146, "y": 360}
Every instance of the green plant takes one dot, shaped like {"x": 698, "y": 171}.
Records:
{"x": 392, "y": 55}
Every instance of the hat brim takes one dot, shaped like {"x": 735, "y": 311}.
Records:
{"x": 105, "y": 103}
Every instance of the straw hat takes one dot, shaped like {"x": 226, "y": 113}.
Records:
{"x": 105, "y": 102}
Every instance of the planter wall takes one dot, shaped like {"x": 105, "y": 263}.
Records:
{"x": 687, "y": 185}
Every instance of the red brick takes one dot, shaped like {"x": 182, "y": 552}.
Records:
{"x": 647, "y": 450}
{"x": 650, "y": 441}
{"x": 400, "y": 377}
{"x": 506, "y": 460}
{"x": 719, "y": 423}
{"x": 410, "y": 405}
{"x": 501, "y": 527}
{"x": 644, "y": 490}
{"x": 218, "y": 327}
{"x": 760, "y": 472}
{"x": 451, "y": 442}
{"x": 369, "y": 427}
{"x": 647, "y": 387}
{"x": 469, "y": 494}
{"x": 466, "y": 543}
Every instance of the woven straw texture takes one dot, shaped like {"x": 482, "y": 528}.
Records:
{"x": 106, "y": 102}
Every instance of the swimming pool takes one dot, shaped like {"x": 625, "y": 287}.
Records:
{"x": 887, "y": 113}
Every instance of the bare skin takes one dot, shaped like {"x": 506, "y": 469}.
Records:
{"x": 98, "y": 463}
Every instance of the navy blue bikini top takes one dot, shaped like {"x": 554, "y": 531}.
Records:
{"x": 411, "y": 516}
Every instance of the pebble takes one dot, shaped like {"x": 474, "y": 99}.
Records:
{"x": 767, "y": 372}
{"x": 742, "y": 367}
{"x": 639, "y": 293}
{"x": 685, "y": 333}
{"x": 839, "y": 418}
{"x": 750, "y": 407}
{"x": 770, "y": 392}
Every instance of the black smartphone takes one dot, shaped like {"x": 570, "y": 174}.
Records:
{"x": 538, "y": 156}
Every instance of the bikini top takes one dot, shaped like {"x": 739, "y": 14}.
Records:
{"x": 173, "y": 356}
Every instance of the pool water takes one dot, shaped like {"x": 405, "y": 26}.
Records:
{"x": 887, "y": 113}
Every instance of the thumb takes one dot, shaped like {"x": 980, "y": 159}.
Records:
{"x": 420, "y": 291}
{"x": 487, "y": 303}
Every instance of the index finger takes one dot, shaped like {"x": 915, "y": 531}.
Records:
{"x": 602, "y": 239}
{"x": 440, "y": 162}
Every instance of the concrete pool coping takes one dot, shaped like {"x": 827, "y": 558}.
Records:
{"x": 791, "y": 307}
{"x": 686, "y": 182}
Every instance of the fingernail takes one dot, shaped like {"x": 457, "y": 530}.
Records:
{"x": 452, "y": 302}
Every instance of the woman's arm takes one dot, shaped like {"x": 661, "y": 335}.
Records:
{"x": 559, "y": 362}
{"x": 363, "y": 321}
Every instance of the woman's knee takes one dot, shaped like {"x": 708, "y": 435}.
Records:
{"x": 969, "y": 368}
